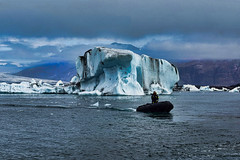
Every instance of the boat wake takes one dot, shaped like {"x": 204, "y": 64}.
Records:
{"x": 35, "y": 106}
{"x": 109, "y": 107}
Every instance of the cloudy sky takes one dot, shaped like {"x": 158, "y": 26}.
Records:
{"x": 33, "y": 31}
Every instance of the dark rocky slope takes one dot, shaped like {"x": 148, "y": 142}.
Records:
{"x": 209, "y": 72}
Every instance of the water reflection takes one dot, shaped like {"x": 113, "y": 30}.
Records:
{"x": 160, "y": 115}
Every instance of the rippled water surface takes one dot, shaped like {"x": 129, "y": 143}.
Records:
{"x": 202, "y": 125}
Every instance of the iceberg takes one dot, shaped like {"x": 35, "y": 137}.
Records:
{"x": 236, "y": 90}
{"x": 5, "y": 88}
{"x": 23, "y": 87}
{"x": 189, "y": 87}
{"x": 59, "y": 84}
{"x": 225, "y": 89}
{"x": 35, "y": 87}
{"x": 217, "y": 90}
{"x": 74, "y": 80}
{"x": 123, "y": 72}
{"x": 206, "y": 88}
{"x": 193, "y": 88}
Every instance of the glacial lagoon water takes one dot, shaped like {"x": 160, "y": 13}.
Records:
{"x": 202, "y": 125}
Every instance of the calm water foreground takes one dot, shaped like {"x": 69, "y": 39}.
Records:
{"x": 203, "y": 125}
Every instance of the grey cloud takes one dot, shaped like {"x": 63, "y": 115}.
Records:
{"x": 28, "y": 51}
{"x": 194, "y": 50}
{"x": 121, "y": 18}
{"x": 4, "y": 48}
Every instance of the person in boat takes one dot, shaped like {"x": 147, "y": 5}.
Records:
{"x": 154, "y": 97}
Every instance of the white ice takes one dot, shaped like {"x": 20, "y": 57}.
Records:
{"x": 206, "y": 88}
{"x": 34, "y": 87}
{"x": 5, "y": 88}
{"x": 74, "y": 80}
{"x": 95, "y": 104}
{"x": 122, "y": 72}
{"x": 189, "y": 87}
{"x": 90, "y": 93}
{"x": 193, "y": 88}
{"x": 236, "y": 89}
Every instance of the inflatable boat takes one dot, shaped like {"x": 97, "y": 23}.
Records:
{"x": 160, "y": 107}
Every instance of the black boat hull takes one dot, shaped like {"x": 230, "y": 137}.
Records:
{"x": 160, "y": 107}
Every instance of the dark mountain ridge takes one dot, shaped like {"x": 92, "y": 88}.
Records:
{"x": 210, "y": 72}
{"x": 55, "y": 71}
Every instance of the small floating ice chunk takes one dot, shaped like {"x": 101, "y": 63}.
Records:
{"x": 237, "y": 89}
{"x": 206, "y": 88}
{"x": 4, "y": 87}
{"x": 74, "y": 80}
{"x": 40, "y": 83}
{"x": 90, "y": 93}
{"x": 95, "y": 104}
{"x": 216, "y": 89}
{"x": 106, "y": 105}
{"x": 59, "y": 83}
{"x": 189, "y": 87}
{"x": 33, "y": 81}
